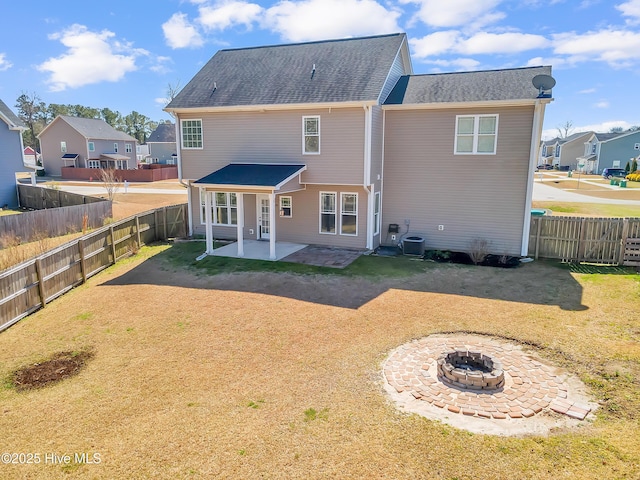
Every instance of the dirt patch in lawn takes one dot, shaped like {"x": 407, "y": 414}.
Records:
{"x": 62, "y": 365}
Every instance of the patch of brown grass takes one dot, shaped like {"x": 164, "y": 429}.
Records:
{"x": 216, "y": 377}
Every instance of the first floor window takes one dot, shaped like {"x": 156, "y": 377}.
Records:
{"x": 376, "y": 214}
{"x": 122, "y": 164}
{"x": 285, "y": 207}
{"x": 327, "y": 212}
{"x": 191, "y": 133}
{"x": 94, "y": 163}
{"x": 63, "y": 147}
{"x": 348, "y": 214}
{"x": 476, "y": 134}
{"x": 224, "y": 208}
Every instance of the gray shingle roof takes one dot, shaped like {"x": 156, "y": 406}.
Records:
{"x": 95, "y": 129}
{"x": 12, "y": 117}
{"x": 603, "y": 137}
{"x": 487, "y": 85}
{"x": 164, "y": 133}
{"x": 345, "y": 70}
{"x": 573, "y": 136}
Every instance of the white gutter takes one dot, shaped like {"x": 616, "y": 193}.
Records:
{"x": 536, "y": 134}
{"x": 269, "y": 107}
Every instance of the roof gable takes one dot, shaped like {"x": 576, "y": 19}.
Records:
{"x": 91, "y": 128}
{"x": 478, "y": 86}
{"x": 10, "y": 118}
{"x": 164, "y": 133}
{"x": 349, "y": 70}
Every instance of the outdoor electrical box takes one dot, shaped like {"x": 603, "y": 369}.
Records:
{"x": 394, "y": 228}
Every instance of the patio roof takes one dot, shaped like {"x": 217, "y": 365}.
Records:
{"x": 70, "y": 155}
{"x": 114, "y": 156}
{"x": 258, "y": 176}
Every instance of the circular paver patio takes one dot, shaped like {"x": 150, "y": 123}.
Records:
{"x": 530, "y": 387}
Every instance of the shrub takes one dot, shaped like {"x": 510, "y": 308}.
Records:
{"x": 478, "y": 250}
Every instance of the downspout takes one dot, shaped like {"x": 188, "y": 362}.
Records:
{"x": 536, "y": 133}
{"x": 182, "y": 182}
{"x": 368, "y": 116}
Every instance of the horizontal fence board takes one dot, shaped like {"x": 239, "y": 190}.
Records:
{"x": 29, "y": 286}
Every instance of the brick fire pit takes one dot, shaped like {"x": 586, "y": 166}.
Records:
{"x": 470, "y": 370}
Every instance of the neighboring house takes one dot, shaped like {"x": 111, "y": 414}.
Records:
{"x": 142, "y": 153}
{"x": 85, "y": 143}
{"x": 11, "y": 155}
{"x": 31, "y": 157}
{"x": 162, "y": 144}
{"x": 337, "y": 143}
{"x": 564, "y": 152}
{"x": 609, "y": 150}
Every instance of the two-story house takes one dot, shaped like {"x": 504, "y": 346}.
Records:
{"x": 85, "y": 143}
{"x": 162, "y": 144}
{"x": 609, "y": 150}
{"x": 338, "y": 143}
{"x": 563, "y": 153}
{"x": 11, "y": 154}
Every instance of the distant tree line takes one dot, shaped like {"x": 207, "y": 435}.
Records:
{"x": 36, "y": 115}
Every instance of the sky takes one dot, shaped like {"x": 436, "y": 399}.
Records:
{"x": 124, "y": 55}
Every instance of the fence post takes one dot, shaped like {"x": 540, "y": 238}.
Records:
{"x": 138, "y": 231}
{"x": 43, "y": 298}
{"x": 113, "y": 244}
{"x": 155, "y": 225}
{"x": 164, "y": 216}
{"x": 581, "y": 245}
{"x": 539, "y": 220}
{"x": 623, "y": 240}
{"x": 83, "y": 267}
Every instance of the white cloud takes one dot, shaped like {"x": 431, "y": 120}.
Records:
{"x": 179, "y": 33}
{"x": 160, "y": 65}
{"x": 91, "y": 57}
{"x": 601, "y": 104}
{"x": 4, "y": 63}
{"x": 618, "y": 48}
{"x": 229, "y": 14}
{"x": 453, "y": 13}
{"x": 587, "y": 91}
{"x": 630, "y": 9}
{"x": 457, "y": 63}
{"x": 322, "y": 19}
{"x": 452, "y": 41}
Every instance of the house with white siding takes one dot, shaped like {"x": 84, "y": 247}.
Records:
{"x": 338, "y": 143}
{"x": 11, "y": 154}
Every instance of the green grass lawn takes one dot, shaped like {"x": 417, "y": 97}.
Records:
{"x": 591, "y": 209}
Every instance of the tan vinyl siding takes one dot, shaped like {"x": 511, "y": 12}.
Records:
{"x": 304, "y": 225}
{"x": 472, "y": 196}
{"x": 570, "y": 151}
{"x": 276, "y": 137}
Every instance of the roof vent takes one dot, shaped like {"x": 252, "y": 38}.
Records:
{"x": 313, "y": 70}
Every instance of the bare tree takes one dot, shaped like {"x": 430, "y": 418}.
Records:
{"x": 565, "y": 129}
{"x": 173, "y": 89}
{"x": 109, "y": 181}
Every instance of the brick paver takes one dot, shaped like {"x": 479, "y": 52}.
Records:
{"x": 530, "y": 386}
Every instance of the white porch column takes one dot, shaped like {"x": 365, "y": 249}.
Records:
{"x": 208, "y": 220}
{"x": 272, "y": 226}
{"x": 240, "y": 218}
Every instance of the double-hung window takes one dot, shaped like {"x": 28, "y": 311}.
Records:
{"x": 92, "y": 147}
{"x": 328, "y": 212}
{"x": 115, "y": 148}
{"x": 476, "y": 134}
{"x": 224, "y": 208}
{"x": 285, "y": 207}
{"x": 348, "y": 214}
{"x": 311, "y": 135}
{"x": 63, "y": 147}
{"x": 127, "y": 148}
{"x": 191, "y": 133}
{"x": 376, "y": 214}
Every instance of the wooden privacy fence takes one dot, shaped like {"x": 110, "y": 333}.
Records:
{"x": 29, "y": 286}
{"x": 609, "y": 241}
{"x": 39, "y": 198}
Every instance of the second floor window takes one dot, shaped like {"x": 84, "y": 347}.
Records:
{"x": 311, "y": 135}
{"x": 63, "y": 147}
{"x": 476, "y": 134}
{"x": 127, "y": 148}
{"x": 557, "y": 151}
{"x": 191, "y": 133}
{"x": 92, "y": 147}
{"x": 115, "y": 148}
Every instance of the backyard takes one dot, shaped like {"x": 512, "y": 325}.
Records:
{"x": 239, "y": 369}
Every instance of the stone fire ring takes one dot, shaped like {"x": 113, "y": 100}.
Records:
{"x": 525, "y": 400}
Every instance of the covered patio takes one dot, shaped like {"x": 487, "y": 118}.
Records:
{"x": 263, "y": 180}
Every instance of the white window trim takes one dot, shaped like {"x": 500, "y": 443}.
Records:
{"x": 335, "y": 213}
{"x": 290, "y": 207}
{"x": 376, "y": 215}
{"x": 63, "y": 147}
{"x": 476, "y": 125}
{"x": 91, "y": 146}
{"x": 128, "y": 148}
{"x": 182, "y": 133}
{"x": 304, "y": 134}
{"x": 342, "y": 194}
{"x": 93, "y": 164}
{"x": 214, "y": 210}
{"x": 115, "y": 148}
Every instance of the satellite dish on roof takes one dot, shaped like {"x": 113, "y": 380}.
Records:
{"x": 543, "y": 83}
